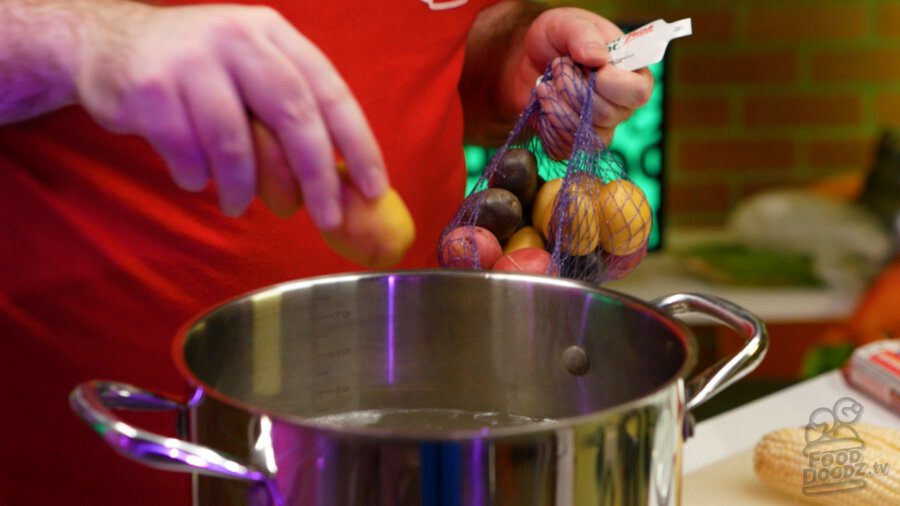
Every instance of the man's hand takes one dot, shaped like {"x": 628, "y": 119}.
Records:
{"x": 554, "y": 33}
{"x": 192, "y": 79}
{"x": 583, "y": 36}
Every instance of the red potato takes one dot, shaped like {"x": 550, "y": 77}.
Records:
{"x": 527, "y": 260}
{"x": 470, "y": 247}
{"x": 618, "y": 267}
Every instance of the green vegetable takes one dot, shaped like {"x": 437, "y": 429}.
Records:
{"x": 736, "y": 264}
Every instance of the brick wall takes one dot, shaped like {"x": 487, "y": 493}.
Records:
{"x": 770, "y": 93}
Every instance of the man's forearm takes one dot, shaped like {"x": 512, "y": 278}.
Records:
{"x": 487, "y": 87}
{"x": 39, "y": 44}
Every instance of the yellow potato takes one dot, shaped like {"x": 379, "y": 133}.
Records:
{"x": 581, "y": 231}
{"x": 374, "y": 233}
{"x": 626, "y": 217}
{"x": 525, "y": 237}
{"x": 542, "y": 206}
{"x": 278, "y": 189}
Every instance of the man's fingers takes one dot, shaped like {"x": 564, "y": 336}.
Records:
{"x": 616, "y": 95}
{"x": 225, "y": 69}
{"x": 163, "y": 121}
{"x": 607, "y": 115}
{"x": 346, "y": 123}
{"x": 219, "y": 120}
{"x": 558, "y": 110}
{"x": 187, "y": 164}
{"x": 568, "y": 84}
{"x": 262, "y": 72}
{"x": 573, "y": 32}
{"x": 624, "y": 88}
{"x": 583, "y": 41}
{"x": 307, "y": 147}
{"x": 557, "y": 122}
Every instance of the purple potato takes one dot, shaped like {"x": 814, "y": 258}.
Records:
{"x": 516, "y": 172}
{"x": 497, "y": 210}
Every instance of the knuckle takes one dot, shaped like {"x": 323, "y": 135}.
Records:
{"x": 230, "y": 148}
{"x": 229, "y": 152}
{"x": 243, "y": 23}
{"x": 190, "y": 55}
{"x": 304, "y": 108}
{"x": 299, "y": 110}
{"x": 129, "y": 106}
{"x": 266, "y": 14}
{"x": 333, "y": 97}
{"x": 150, "y": 87}
{"x": 229, "y": 26}
{"x": 603, "y": 116}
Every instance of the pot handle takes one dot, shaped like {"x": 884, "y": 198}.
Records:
{"x": 719, "y": 376}
{"x": 94, "y": 402}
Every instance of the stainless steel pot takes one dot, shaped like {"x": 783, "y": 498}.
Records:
{"x": 263, "y": 369}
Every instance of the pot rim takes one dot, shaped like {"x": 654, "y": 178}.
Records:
{"x": 679, "y": 329}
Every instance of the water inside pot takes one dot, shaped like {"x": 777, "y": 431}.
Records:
{"x": 434, "y": 419}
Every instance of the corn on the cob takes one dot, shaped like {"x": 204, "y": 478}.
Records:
{"x": 860, "y": 470}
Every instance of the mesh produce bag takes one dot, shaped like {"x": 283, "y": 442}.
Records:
{"x": 553, "y": 200}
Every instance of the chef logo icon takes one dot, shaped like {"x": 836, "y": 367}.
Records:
{"x": 442, "y": 5}
{"x": 834, "y": 450}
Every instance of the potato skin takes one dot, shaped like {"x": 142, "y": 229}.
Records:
{"x": 469, "y": 247}
{"x": 542, "y": 207}
{"x": 581, "y": 220}
{"x": 517, "y": 173}
{"x": 620, "y": 266}
{"x": 527, "y": 260}
{"x": 626, "y": 217}
{"x": 581, "y": 232}
{"x": 499, "y": 211}
{"x": 278, "y": 189}
{"x": 525, "y": 237}
{"x": 375, "y": 233}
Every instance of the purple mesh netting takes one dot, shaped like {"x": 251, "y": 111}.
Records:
{"x": 595, "y": 226}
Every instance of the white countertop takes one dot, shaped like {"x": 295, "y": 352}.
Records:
{"x": 738, "y": 430}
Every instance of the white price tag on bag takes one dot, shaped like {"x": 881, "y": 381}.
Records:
{"x": 646, "y": 45}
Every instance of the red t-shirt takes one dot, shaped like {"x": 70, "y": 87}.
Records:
{"x": 103, "y": 257}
